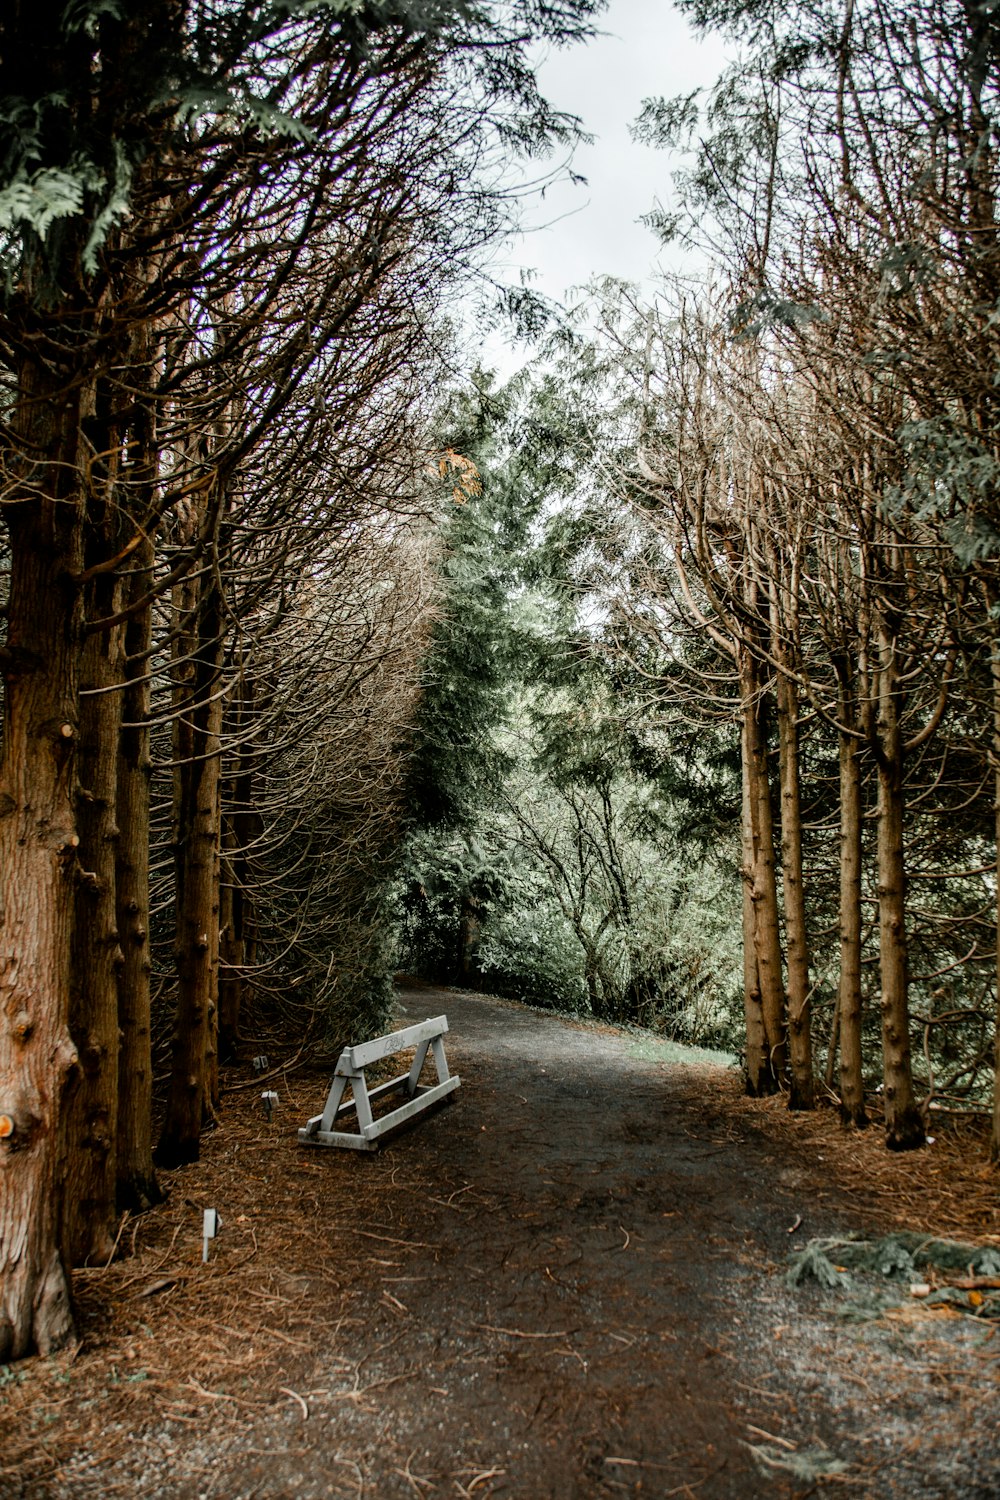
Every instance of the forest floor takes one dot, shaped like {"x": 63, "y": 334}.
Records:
{"x": 568, "y": 1283}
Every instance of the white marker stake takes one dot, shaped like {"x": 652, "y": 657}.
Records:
{"x": 209, "y": 1229}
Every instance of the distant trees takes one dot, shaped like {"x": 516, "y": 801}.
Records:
{"x": 548, "y": 862}
{"x": 225, "y": 233}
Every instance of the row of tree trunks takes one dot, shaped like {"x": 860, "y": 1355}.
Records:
{"x": 765, "y": 999}
{"x": 763, "y": 990}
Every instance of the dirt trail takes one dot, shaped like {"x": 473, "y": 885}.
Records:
{"x": 566, "y": 1284}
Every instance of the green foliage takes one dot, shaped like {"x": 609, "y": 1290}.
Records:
{"x": 179, "y": 83}
{"x": 548, "y": 806}
{"x": 455, "y": 760}
{"x": 895, "y": 1257}
{"x": 952, "y": 477}
{"x": 528, "y": 950}
{"x": 667, "y": 123}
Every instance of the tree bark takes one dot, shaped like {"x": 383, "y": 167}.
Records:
{"x": 995, "y": 671}
{"x": 231, "y": 945}
{"x": 197, "y": 731}
{"x": 764, "y": 893}
{"x": 91, "y": 1118}
{"x": 137, "y": 1187}
{"x": 904, "y": 1126}
{"x": 759, "y": 1074}
{"x": 801, "y": 1085}
{"x": 242, "y": 825}
{"x": 849, "y": 1000}
{"x": 38, "y": 843}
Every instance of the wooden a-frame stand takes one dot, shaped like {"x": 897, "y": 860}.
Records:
{"x": 426, "y": 1036}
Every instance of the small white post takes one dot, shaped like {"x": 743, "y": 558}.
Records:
{"x": 209, "y": 1229}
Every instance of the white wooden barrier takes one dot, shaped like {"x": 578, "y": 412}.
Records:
{"x": 425, "y": 1036}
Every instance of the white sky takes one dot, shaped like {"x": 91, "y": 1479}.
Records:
{"x": 577, "y": 232}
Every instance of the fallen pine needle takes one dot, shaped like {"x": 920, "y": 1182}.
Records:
{"x": 519, "y": 1333}
{"x": 771, "y": 1437}
{"x": 482, "y": 1478}
{"x": 210, "y": 1395}
{"x": 387, "y": 1240}
{"x": 296, "y": 1397}
{"x": 158, "y": 1286}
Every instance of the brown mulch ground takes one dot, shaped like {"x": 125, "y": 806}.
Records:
{"x": 569, "y": 1283}
{"x": 948, "y": 1188}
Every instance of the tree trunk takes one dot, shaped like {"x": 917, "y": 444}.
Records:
{"x": 137, "y": 1188}
{"x": 242, "y": 826}
{"x": 231, "y": 946}
{"x": 903, "y": 1123}
{"x": 802, "y": 1089}
{"x": 995, "y": 669}
{"x": 38, "y": 843}
{"x": 91, "y": 1118}
{"x": 197, "y": 731}
{"x": 849, "y": 1004}
{"x": 767, "y": 938}
{"x": 759, "y": 1074}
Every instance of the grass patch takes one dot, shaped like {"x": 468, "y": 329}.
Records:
{"x": 651, "y": 1048}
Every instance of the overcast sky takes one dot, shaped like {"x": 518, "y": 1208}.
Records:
{"x": 577, "y": 232}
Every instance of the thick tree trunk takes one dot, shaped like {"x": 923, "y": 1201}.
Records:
{"x": 759, "y": 1074}
{"x": 849, "y": 1003}
{"x": 91, "y": 1118}
{"x": 764, "y": 894}
{"x": 38, "y": 863}
{"x": 802, "y": 1088}
{"x": 903, "y": 1123}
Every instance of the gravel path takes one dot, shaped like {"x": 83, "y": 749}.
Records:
{"x": 566, "y": 1284}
